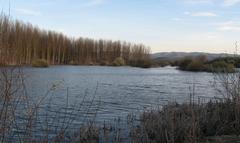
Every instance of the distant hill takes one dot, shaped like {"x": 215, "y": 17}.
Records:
{"x": 178, "y": 55}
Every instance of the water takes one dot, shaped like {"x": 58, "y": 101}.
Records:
{"x": 102, "y": 94}
{"x": 118, "y": 90}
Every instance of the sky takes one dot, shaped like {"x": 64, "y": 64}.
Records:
{"x": 164, "y": 25}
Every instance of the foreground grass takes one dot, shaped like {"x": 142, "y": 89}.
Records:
{"x": 212, "y": 122}
{"x": 190, "y": 123}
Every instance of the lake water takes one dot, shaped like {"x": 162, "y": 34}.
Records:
{"x": 117, "y": 91}
{"x": 103, "y": 94}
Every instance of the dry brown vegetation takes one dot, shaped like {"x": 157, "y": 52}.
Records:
{"x": 23, "y": 43}
{"x": 189, "y": 123}
{"x": 200, "y": 120}
{"x": 40, "y": 63}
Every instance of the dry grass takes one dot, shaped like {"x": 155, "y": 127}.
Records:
{"x": 189, "y": 123}
{"x": 195, "y": 121}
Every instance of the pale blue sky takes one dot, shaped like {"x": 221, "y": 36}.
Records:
{"x": 164, "y": 25}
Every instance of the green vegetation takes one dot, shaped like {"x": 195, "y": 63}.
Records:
{"x": 196, "y": 65}
{"x": 199, "y": 64}
{"x": 73, "y": 63}
{"x": 184, "y": 63}
{"x": 40, "y": 63}
{"x": 221, "y": 66}
{"x": 231, "y": 60}
{"x": 2, "y": 65}
{"x": 161, "y": 63}
{"x": 145, "y": 63}
{"x": 104, "y": 63}
{"x": 118, "y": 62}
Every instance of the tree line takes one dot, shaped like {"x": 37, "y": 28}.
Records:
{"x": 22, "y": 43}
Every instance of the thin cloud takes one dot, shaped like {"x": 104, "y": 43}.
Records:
{"x": 28, "y": 12}
{"x": 199, "y": 1}
{"x": 176, "y": 19}
{"x": 223, "y": 2}
{"x": 207, "y": 35}
{"x": 204, "y": 14}
{"x": 94, "y": 2}
{"x": 229, "y": 26}
{"x": 200, "y": 14}
{"x": 230, "y": 2}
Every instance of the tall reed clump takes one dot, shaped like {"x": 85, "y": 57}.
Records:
{"x": 197, "y": 121}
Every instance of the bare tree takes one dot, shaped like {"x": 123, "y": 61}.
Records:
{"x": 23, "y": 43}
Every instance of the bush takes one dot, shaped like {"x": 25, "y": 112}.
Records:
{"x": 162, "y": 63}
{"x": 40, "y": 63}
{"x": 118, "y": 62}
{"x": 73, "y": 63}
{"x": 200, "y": 64}
{"x": 104, "y": 63}
{"x": 183, "y": 64}
{"x": 2, "y": 64}
{"x": 230, "y": 60}
{"x": 196, "y": 66}
{"x": 221, "y": 66}
{"x": 144, "y": 63}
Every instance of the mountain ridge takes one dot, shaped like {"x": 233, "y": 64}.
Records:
{"x": 178, "y": 55}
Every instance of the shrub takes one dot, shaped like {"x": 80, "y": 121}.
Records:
{"x": 221, "y": 66}
{"x": 118, "y": 62}
{"x": 104, "y": 63}
{"x": 230, "y": 60}
{"x": 144, "y": 63}
{"x": 183, "y": 64}
{"x": 40, "y": 63}
{"x": 196, "y": 66}
{"x": 162, "y": 63}
{"x": 73, "y": 63}
{"x": 200, "y": 64}
{"x": 2, "y": 64}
